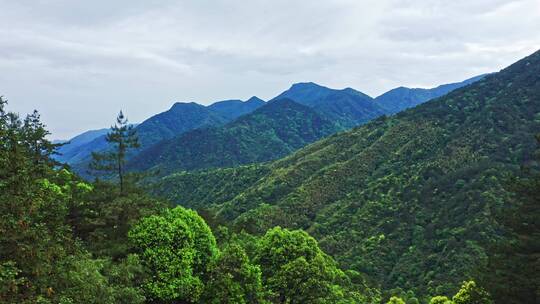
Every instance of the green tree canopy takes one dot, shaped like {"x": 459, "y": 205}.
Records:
{"x": 470, "y": 293}
{"x": 177, "y": 247}
{"x": 297, "y": 271}
{"x": 234, "y": 279}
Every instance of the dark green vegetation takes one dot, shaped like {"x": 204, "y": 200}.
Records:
{"x": 271, "y": 132}
{"x": 413, "y": 201}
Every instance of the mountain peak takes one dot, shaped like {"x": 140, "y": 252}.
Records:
{"x": 307, "y": 86}
{"x": 185, "y": 104}
{"x": 254, "y": 99}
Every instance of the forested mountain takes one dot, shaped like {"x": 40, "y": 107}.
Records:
{"x": 270, "y": 132}
{"x": 180, "y": 118}
{"x": 64, "y": 240}
{"x": 347, "y": 107}
{"x": 410, "y": 199}
{"x": 231, "y": 109}
{"x": 403, "y": 98}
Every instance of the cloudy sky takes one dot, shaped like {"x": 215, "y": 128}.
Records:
{"x": 79, "y": 62}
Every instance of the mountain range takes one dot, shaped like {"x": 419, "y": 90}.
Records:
{"x": 168, "y": 139}
{"x": 270, "y": 132}
{"x": 411, "y": 200}
{"x": 181, "y": 117}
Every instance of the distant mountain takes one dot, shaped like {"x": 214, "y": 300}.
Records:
{"x": 231, "y": 109}
{"x": 73, "y": 146}
{"x": 412, "y": 200}
{"x": 270, "y": 132}
{"x": 347, "y": 107}
{"x": 180, "y": 118}
{"x": 402, "y": 98}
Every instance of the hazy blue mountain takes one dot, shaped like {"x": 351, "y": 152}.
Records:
{"x": 72, "y": 147}
{"x": 181, "y": 117}
{"x": 402, "y": 98}
{"x": 231, "y": 109}
{"x": 347, "y": 107}
{"x": 270, "y": 132}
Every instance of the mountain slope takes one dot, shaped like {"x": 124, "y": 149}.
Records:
{"x": 403, "y": 98}
{"x": 270, "y": 132}
{"x": 72, "y": 146}
{"x": 347, "y": 107}
{"x": 232, "y": 109}
{"x": 410, "y": 199}
{"x": 180, "y": 118}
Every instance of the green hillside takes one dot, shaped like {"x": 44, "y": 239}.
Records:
{"x": 409, "y": 200}
{"x": 271, "y": 132}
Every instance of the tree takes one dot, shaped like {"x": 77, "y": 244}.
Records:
{"x": 440, "y": 300}
{"x": 178, "y": 248}
{"x": 122, "y": 137}
{"x": 470, "y": 293}
{"x": 295, "y": 270}
{"x": 395, "y": 300}
{"x": 234, "y": 279}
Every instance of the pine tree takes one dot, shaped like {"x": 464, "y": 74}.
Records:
{"x": 122, "y": 137}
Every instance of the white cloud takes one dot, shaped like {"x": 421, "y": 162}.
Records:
{"x": 79, "y": 62}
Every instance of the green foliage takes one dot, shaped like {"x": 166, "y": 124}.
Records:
{"x": 470, "y": 293}
{"x": 201, "y": 189}
{"x": 295, "y": 270}
{"x": 49, "y": 219}
{"x": 101, "y": 218}
{"x": 177, "y": 247}
{"x": 440, "y": 300}
{"x": 234, "y": 279}
{"x": 395, "y": 300}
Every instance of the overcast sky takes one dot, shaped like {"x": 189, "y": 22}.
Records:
{"x": 79, "y": 62}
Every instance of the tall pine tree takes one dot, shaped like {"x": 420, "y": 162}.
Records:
{"x": 122, "y": 137}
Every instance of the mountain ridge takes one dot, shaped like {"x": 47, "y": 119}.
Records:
{"x": 269, "y": 132}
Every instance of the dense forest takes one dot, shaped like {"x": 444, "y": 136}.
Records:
{"x": 64, "y": 240}
{"x": 436, "y": 204}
